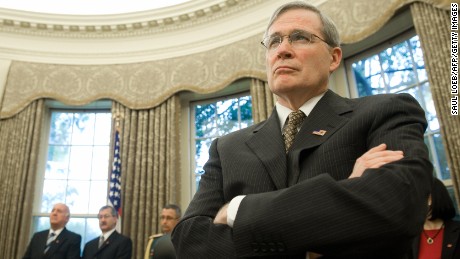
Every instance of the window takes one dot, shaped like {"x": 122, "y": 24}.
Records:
{"x": 76, "y": 169}
{"x": 397, "y": 66}
{"x": 215, "y": 118}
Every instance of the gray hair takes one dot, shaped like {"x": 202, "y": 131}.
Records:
{"x": 175, "y": 208}
{"x": 113, "y": 211}
{"x": 331, "y": 35}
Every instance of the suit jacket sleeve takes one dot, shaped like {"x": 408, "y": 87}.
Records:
{"x": 28, "y": 253}
{"x": 196, "y": 235}
{"x": 382, "y": 211}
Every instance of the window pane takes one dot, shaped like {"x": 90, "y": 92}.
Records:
{"x": 58, "y": 158}
{"x": 41, "y": 223}
{"x": 205, "y": 120}
{"x": 404, "y": 72}
{"x": 77, "y": 169}
{"x": 445, "y": 173}
{"x": 217, "y": 119}
{"x": 83, "y": 129}
{"x": 397, "y": 65}
{"x": 99, "y": 170}
{"x": 98, "y": 195}
{"x": 418, "y": 58}
{"x": 78, "y": 196}
{"x": 80, "y": 162}
{"x": 368, "y": 76}
{"x": 61, "y": 128}
{"x": 53, "y": 192}
{"x": 103, "y": 125}
{"x": 430, "y": 110}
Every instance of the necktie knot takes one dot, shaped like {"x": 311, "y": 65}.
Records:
{"x": 294, "y": 121}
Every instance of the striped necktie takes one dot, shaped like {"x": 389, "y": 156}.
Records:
{"x": 49, "y": 241}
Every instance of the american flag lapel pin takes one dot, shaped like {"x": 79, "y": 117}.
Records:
{"x": 319, "y": 132}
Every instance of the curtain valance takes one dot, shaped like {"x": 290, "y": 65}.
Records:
{"x": 147, "y": 84}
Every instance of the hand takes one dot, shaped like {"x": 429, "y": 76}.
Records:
{"x": 221, "y": 217}
{"x": 375, "y": 158}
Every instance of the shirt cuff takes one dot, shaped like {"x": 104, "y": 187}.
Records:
{"x": 233, "y": 209}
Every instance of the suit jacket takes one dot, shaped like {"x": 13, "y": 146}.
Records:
{"x": 450, "y": 243}
{"x": 302, "y": 201}
{"x": 65, "y": 246}
{"x": 116, "y": 246}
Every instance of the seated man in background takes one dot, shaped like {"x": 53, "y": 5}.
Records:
{"x": 110, "y": 244}
{"x": 160, "y": 245}
{"x": 56, "y": 242}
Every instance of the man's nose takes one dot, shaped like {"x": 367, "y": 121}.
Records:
{"x": 285, "y": 48}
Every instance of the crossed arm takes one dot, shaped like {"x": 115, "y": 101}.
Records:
{"x": 374, "y": 158}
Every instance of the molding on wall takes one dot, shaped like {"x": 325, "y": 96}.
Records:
{"x": 184, "y": 29}
{"x": 160, "y": 20}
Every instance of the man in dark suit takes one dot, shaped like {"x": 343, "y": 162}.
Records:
{"x": 56, "y": 242}
{"x": 110, "y": 244}
{"x": 263, "y": 195}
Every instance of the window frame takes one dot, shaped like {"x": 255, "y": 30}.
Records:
{"x": 353, "y": 89}
{"x": 100, "y": 106}
{"x": 193, "y": 138}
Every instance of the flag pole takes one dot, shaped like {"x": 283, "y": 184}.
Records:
{"x": 114, "y": 198}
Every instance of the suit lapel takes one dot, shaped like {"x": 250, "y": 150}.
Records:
{"x": 267, "y": 144}
{"x": 324, "y": 120}
{"x": 107, "y": 242}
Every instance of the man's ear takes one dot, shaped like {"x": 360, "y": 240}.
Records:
{"x": 336, "y": 58}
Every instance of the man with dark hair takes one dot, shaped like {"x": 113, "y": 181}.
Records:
{"x": 56, "y": 242}
{"x": 295, "y": 185}
{"x": 160, "y": 245}
{"x": 110, "y": 244}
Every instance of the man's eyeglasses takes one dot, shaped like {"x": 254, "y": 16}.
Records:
{"x": 106, "y": 216}
{"x": 167, "y": 218}
{"x": 297, "y": 39}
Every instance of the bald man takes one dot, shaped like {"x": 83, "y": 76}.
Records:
{"x": 56, "y": 242}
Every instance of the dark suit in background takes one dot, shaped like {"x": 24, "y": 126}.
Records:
{"x": 302, "y": 201}
{"x": 116, "y": 246}
{"x": 65, "y": 246}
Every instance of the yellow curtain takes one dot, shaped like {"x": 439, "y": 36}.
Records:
{"x": 263, "y": 100}
{"x": 150, "y": 167}
{"x": 433, "y": 27}
{"x": 19, "y": 144}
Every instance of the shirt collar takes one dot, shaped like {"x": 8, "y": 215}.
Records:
{"x": 307, "y": 107}
{"x": 108, "y": 233}
{"x": 56, "y": 232}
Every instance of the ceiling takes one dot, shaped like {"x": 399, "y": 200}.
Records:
{"x": 88, "y": 7}
{"x": 182, "y": 29}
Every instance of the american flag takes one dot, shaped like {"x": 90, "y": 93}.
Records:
{"x": 115, "y": 176}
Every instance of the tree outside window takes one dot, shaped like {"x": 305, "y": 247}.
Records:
{"x": 76, "y": 170}
{"x": 214, "y": 119}
{"x": 400, "y": 69}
